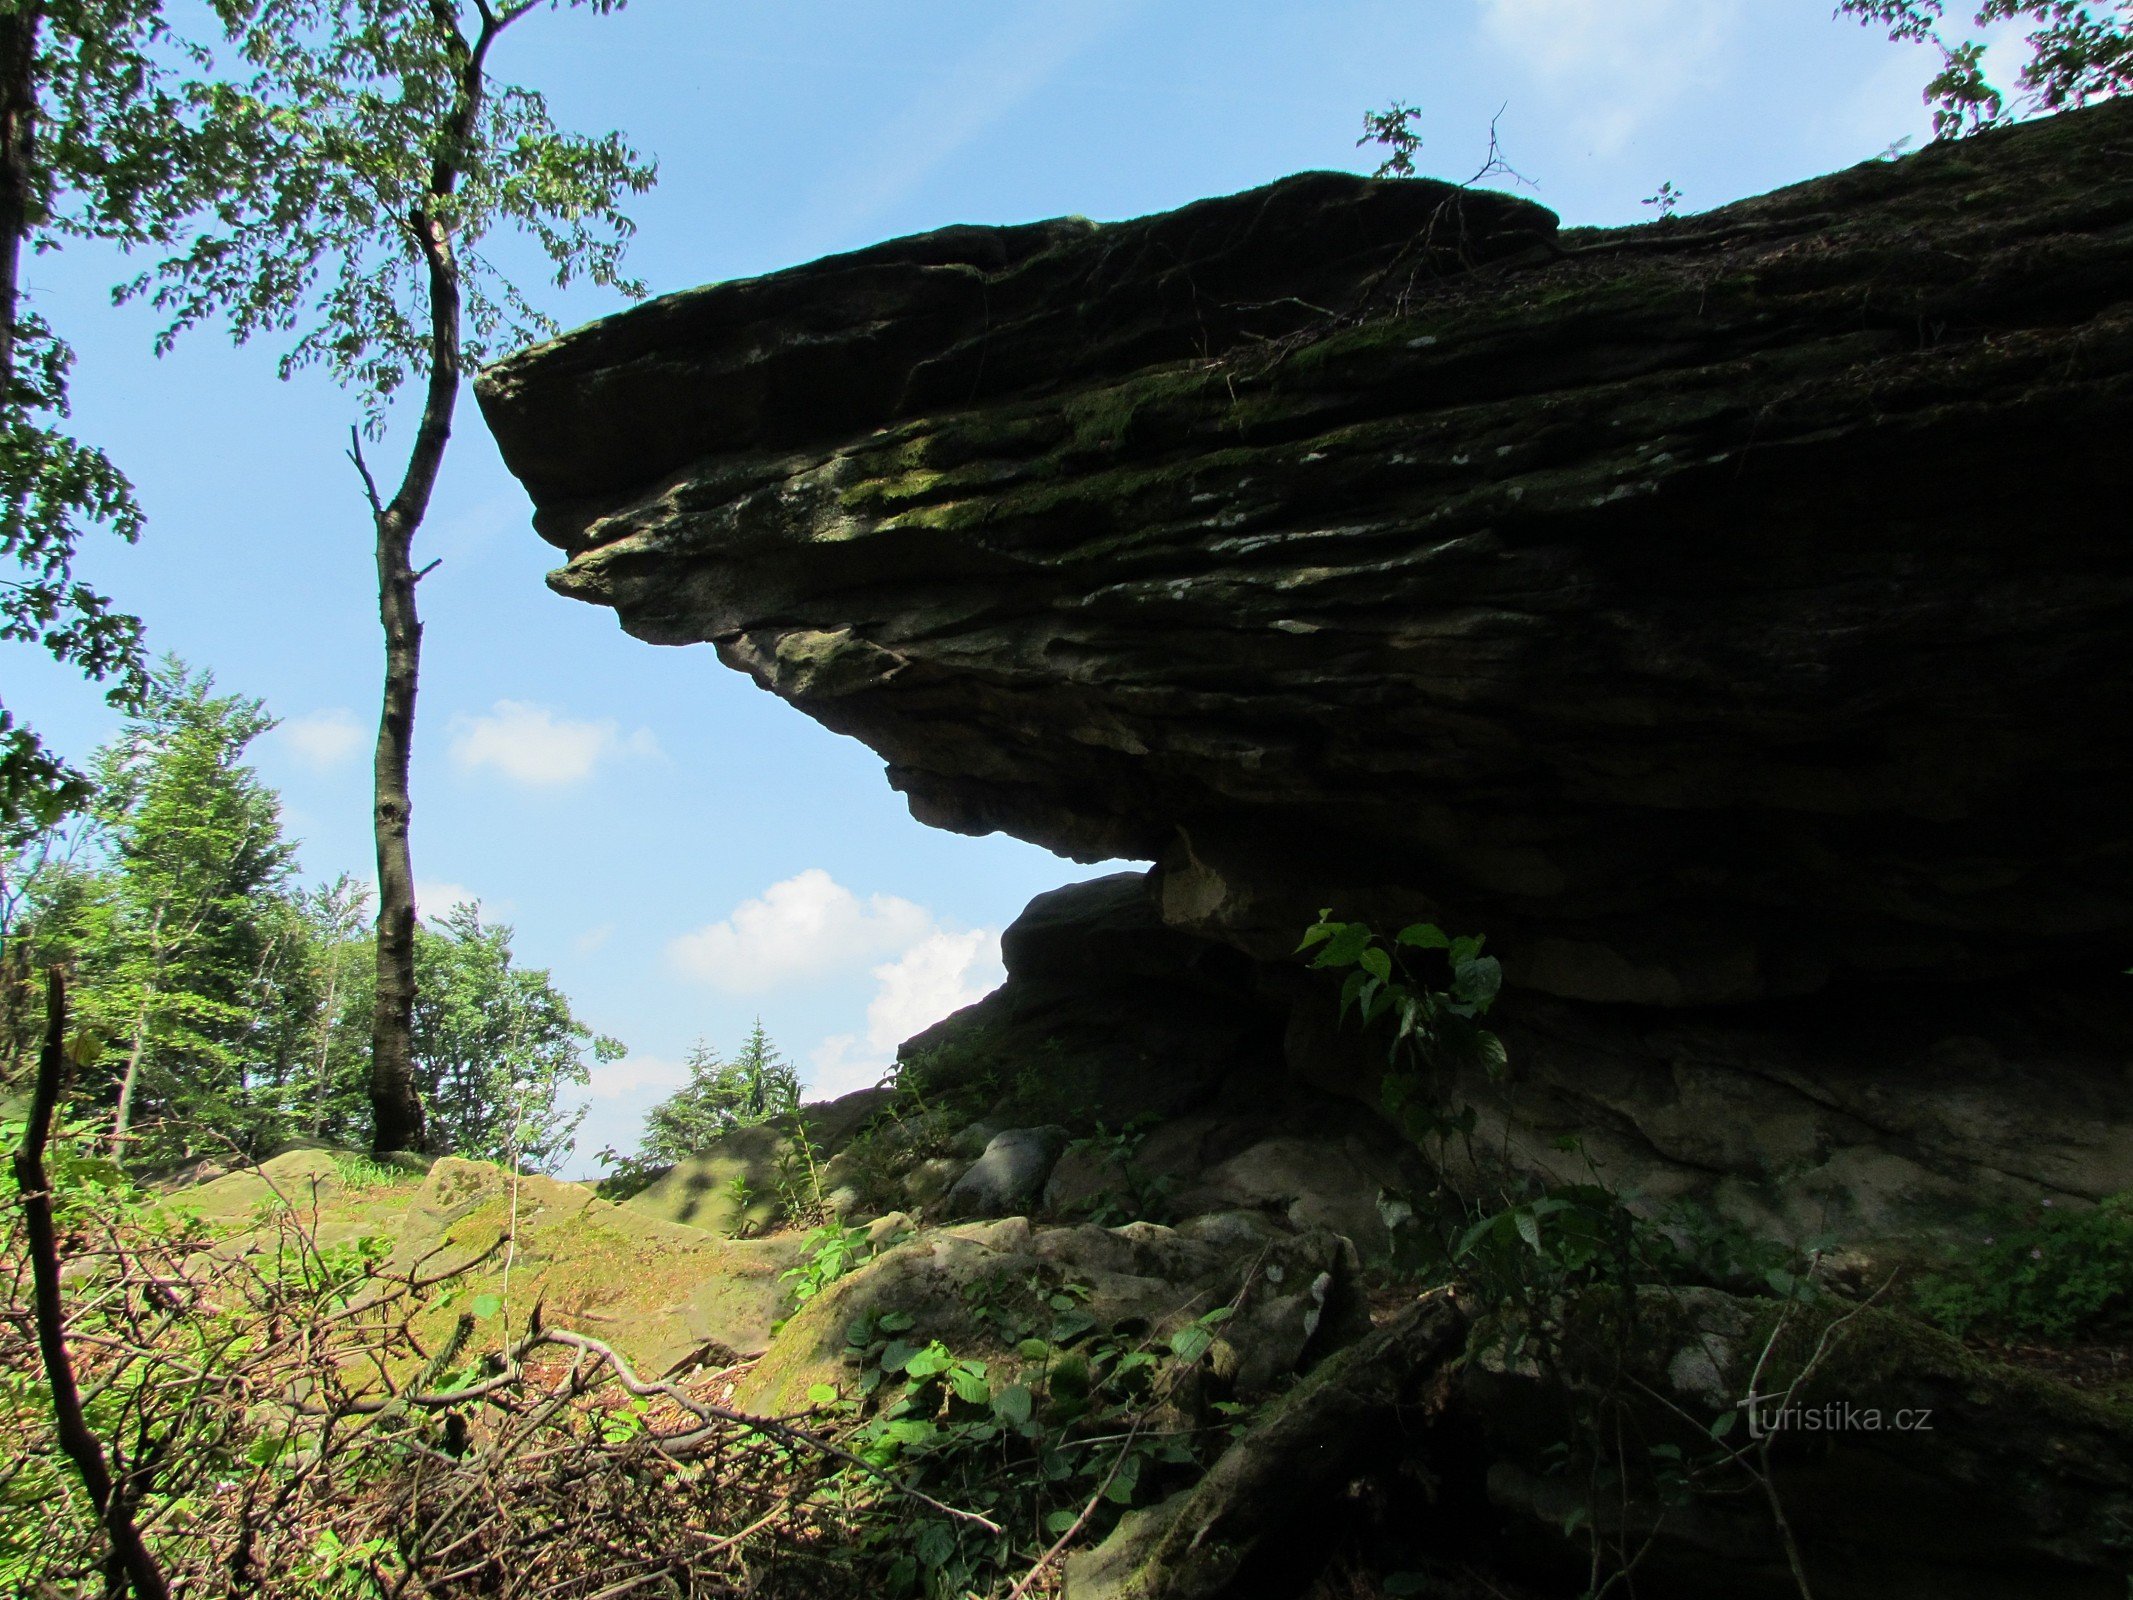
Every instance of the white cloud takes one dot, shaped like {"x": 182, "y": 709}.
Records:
{"x": 805, "y": 926}
{"x": 1620, "y": 63}
{"x": 941, "y": 973}
{"x": 593, "y": 938}
{"x": 530, "y": 744}
{"x": 839, "y": 1066}
{"x": 436, "y": 896}
{"x": 322, "y": 738}
{"x": 636, "y": 1077}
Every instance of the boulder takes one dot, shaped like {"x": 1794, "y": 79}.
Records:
{"x": 1710, "y": 611}
{"x": 1008, "y": 1179}
{"x": 340, "y": 1196}
{"x": 733, "y": 1186}
{"x": 982, "y": 1287}
{"x": 665, "y": 1294}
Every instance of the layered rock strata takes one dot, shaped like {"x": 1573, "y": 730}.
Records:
{"x": 1718, "y": 610}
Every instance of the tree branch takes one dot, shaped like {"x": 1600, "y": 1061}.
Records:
{"x": 370, "y": 484}
{"x": 129, "y": 1554}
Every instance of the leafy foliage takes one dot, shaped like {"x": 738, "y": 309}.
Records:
{"x": 352, "y": 168}
{"x": 496, "y": 1047}
{"x": 1430, "y": 988}
{"x": 238, "y": 1003}
{"x": 1393, "y": 128}
{"x": 756, "y": 1086}
{"x": 826, "y": 1255}
{"x": 1072, "y": 1426}
{"x": 175, "y": 920}
{"x": 123, "y": 145}
{"x": 2077, "y": 52}
{"x": 2060, "y": 1273}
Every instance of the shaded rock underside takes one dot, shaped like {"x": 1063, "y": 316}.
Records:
{"x": 1708, "y": 611}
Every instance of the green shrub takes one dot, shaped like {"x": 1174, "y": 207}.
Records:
{"x": 2064, "y": 1274}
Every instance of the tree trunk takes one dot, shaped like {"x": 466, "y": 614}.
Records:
{"x": 325, "y": 1038}
{"x": 18, "y": 186}
{"x": 122, "y": 1121}
{"x": 396, "y": 1103}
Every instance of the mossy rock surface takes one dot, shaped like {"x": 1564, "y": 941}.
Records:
{"x": 663, "y": 1293}
{"x": 341, "y": 1195}
{"x": 981, "y": 1287}
{"x": 701, "y": 1191}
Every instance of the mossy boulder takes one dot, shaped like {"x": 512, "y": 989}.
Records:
{"x": 340, "y": 1196}
{"x": 663, "y": 1293}
{"x": 730, "y": 1187}
{"x": 982, "y": 1287}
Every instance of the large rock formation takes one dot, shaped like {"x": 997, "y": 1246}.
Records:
{"x": 1711, "y": 611}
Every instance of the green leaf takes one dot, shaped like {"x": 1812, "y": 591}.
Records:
{"x": 923, "y": 1363}
{"x": 1349, "y": 941}
{"x": 1012, "y": 1404}
{"x": 969, "y": 1384}
{"x": 1725, "y": 1424}
{"x": 1057, "y": 1522}
{"x": 1474, "y": 1235}
{"x": 1377, "y": 963}
{"x": 1494, "y": 1059}
{"x": 935, "y": 1546}
{"x": 1071, "y": 1326}
{"x": 1478, "y": 981}
{"x": 822, "y": 1394}
{"x": 1033, "y": 1349}
{"x": 1124, "y": 1481}
{"x": 487, "y": 1305}
{"x": 898, "y": 1355}
{"x": 1353, "y": 986}
{"x": 1190, "y": 1343}
{"x": 895, "y": 1321}
{"x": 1423, "y": 936}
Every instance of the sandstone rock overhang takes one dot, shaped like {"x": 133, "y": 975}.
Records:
{"x": 1707, "y": 610}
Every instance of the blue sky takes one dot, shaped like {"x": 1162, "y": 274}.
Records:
{"x": 684, "y": 852}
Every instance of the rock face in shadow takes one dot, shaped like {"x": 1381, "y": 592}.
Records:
{"x": 1710, "y": 611}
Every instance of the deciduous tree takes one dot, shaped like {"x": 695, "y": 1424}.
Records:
{"x": 2076, "y": 53}
{"x": 380, "y": 154}
{"x": 101, "y": 136}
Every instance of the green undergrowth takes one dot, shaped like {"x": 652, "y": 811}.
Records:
{"x": 1592, "y": 1298}
{"x": 1070, "y": 1427}
{"x": 2055, "y": 1272}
